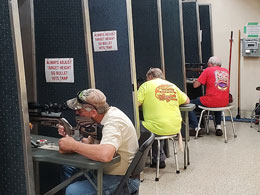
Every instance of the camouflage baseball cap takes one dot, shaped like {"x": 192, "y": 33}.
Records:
{"x": 92, "y": 97}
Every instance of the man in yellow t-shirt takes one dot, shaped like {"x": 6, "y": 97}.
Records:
{"x": 160, "y": 100}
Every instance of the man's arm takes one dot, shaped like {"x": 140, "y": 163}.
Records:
{"x": 140, "y": 94}
{"x": 196, "y": 84}
{"x": 97, "y": 152}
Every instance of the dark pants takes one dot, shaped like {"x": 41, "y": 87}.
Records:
{"x": 193, "y": 121}
{"x": 155, "y": 146}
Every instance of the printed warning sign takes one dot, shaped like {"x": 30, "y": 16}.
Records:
{"x": 252, "y": 29}
{"x": 59, "y": 70}
{"x": 105, "y": 41}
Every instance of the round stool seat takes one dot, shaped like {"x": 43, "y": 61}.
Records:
{"x": 258, "y": 88}
{"x": 165, "y": 137}
{"x": 216, "y": 109}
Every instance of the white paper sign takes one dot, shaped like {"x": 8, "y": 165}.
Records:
{"x": 105, "y": 41}
{"x": 252, "y": 29}
{"x": 59, "y": 70}
{"x": 48, "y": 147}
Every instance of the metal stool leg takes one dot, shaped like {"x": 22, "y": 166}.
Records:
{"x": 188, "y": 155}
{"x": 197, "y": 133}
{"x": 158, "y": 161}
{"x": 175, "y": 156}
{"x": 151, "y": 156}
{"x": 232, "y": 123}
{"x": 225, "y": 126}
{"x": 207, "y": 123}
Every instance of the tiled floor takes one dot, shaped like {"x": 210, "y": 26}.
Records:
{"x": 216, "y": 168}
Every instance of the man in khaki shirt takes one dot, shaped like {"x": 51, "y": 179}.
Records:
{"x": 118, "y": 136}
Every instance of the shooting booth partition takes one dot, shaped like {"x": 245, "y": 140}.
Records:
{"x": 158, "y": 37}
{"x": 192, "y": 45}
{"x": 114, "y": 69}
{"x": 68, "y": 32}
{"x": 191, "y": 28}
{"x": 15, "y": 164}
{"x": 173, "y": 42}
{"x": 206, "y": 31}
{"x": 147, "y": 39}
{"x": 58, "y": 34}
{"x": 65, "y": 30}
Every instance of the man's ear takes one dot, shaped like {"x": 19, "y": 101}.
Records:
{"x": 148, "y": 78}
{"x": 93, "y": 112}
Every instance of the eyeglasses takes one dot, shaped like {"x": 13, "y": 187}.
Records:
{"x": 81, "y": 101}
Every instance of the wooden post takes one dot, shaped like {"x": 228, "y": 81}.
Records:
{"x": 238, "y": 81}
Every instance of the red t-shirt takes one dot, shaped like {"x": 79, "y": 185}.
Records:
{"x": 216, "y": 80}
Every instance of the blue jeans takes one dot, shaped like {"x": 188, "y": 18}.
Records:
{"x": 193, "y": 121}
{"x": 82, "y": 186}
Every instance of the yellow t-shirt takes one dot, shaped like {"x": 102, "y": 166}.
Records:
{"x": 160, "y": 102}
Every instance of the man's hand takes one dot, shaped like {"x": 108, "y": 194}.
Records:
{"x": 61, "y": 130}
{"x": 67, "y": 144}
{"x": 196, "y": 84}
{"x": 30, "y": 125}
{"x": 88, "y": 140}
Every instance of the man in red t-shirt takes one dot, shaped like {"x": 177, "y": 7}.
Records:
{"x": 216, "y": 80}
